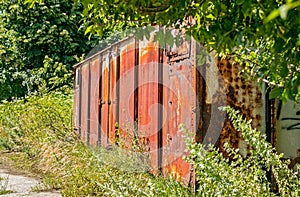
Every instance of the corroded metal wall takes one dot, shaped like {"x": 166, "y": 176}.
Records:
{"x": 142, "y": 89}
{"x": 239, "y": 93}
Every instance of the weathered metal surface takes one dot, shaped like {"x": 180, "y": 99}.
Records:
{"x": 181, "y": 101}
{"x": 112, "y": 97}
{"x": 126, "y": 86}
{"x": 146, "y": 91}
{"x": 105, "y": 100}
{"x": 179, "y": 79}
{"x": 241, "y": 94}
{"x": 76, "y": 109}
{"x": 148, "y": 100}
{"x": 94, "y": 103}
{"x": 84, "y": 101}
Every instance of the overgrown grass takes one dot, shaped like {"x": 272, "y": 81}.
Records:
{"x": 39, "y": 136}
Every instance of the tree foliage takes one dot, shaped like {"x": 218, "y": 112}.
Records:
{"x": 264, "y": 36}
{"x": 39, "y": 45}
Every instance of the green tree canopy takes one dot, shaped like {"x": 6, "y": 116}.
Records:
{"x": 264, "y": 36}
{"x": 39, "y": 45}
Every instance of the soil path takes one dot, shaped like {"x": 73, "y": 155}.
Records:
{"x": 22, "y": 185}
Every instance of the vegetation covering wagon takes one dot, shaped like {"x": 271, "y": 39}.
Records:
{"x": 151, "y": 91}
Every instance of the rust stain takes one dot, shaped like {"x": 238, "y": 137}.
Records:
{"x": 244, "y": 95}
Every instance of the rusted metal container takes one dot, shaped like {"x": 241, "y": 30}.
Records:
{"x": 143, "y": 86}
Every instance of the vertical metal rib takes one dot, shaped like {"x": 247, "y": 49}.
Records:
{"x": 99, "y": 103}
{"x": 136, "y": 84}
{"x": 89, "y": 104}
{"x": 160, "y": 109}
{"x": 108, "y": 98}
{"x": 117, "y": 112}
{"x": 80, "y": 101}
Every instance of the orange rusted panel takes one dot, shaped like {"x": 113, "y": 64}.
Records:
{"x": 105, "y": 100}
{"x": 84, "y": 101}
{"x": 148, "y": 99}
{"x": 179, "y": 78}
{"x": 181, "y": 100}
{"x": 94, "y": 101}
{"x": 113, "y": 98}
{"x": 126, "y": 86}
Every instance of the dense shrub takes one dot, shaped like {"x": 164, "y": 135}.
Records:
{"x": 39, "y": 44}
{"x": 220, "y": 176}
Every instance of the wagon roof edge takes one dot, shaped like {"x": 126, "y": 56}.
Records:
{"x": 101, "y": 51}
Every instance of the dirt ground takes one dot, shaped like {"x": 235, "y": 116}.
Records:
{"x": 21, "y": 183}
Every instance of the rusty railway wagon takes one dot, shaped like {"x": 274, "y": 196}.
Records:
{"x": 142, "y": 86}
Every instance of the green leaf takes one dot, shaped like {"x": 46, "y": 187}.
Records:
{"x": 274, "y": 14}
{"x": 240, "y": 2}
{"x": 275, "y": 92}
{"x": 284, "y": 71}
{"x": 88, "y": 29}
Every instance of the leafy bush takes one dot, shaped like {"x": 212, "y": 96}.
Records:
{"x": 220, "y": 176}
{"x": 39, "y": 44}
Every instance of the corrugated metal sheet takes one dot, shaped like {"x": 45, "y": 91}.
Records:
{"x": 146, "y": 90}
